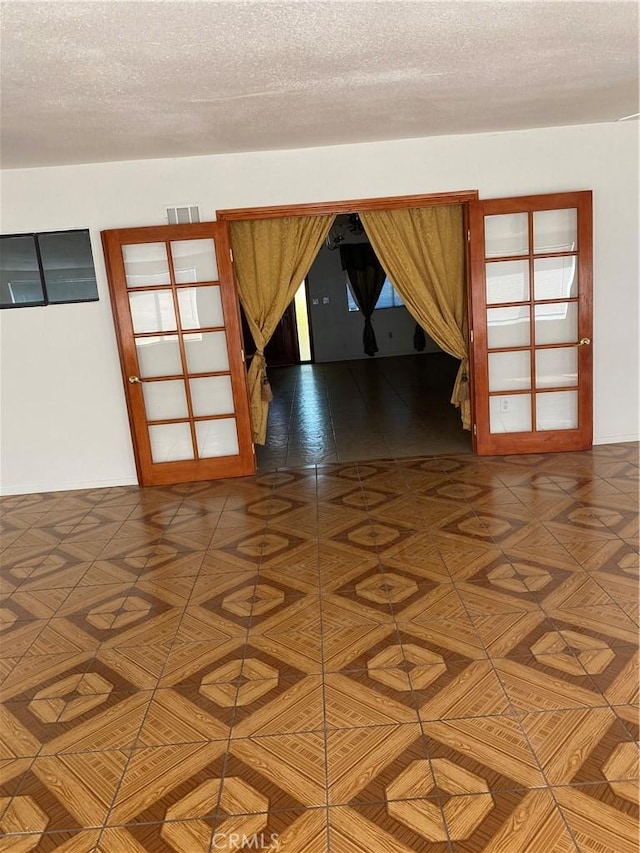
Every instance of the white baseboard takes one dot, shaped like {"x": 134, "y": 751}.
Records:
{"x": 615, "y": 439}
{"x": 33, "y": 488}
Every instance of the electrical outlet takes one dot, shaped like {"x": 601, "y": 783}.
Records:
{"x": 325, "y": 300}
{"x": 504, "y": 404}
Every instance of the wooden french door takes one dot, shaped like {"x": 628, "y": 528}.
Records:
{"x": 178, "y": 327}
{"x": 531, "y": 298}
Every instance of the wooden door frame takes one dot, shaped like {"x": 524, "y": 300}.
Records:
{"x": 401, "y": 202}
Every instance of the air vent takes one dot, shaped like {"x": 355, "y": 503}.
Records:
{"x": 183, "y": 214}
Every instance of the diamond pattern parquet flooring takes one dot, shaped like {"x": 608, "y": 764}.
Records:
{"x": 433, "y": 655}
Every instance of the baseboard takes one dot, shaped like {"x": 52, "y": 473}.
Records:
{"x": 615, "y": 439}
{"x": 34, "y": 488}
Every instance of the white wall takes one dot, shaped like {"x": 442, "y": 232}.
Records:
{"x": 64, "y": 422}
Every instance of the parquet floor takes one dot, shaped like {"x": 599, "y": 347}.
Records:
{"x": 432, "y": 655}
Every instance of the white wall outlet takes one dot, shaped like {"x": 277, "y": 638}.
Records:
{"x": 504, "y": 404}
{"x": 326, "y": 300}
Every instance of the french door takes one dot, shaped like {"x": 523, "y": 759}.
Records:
{"x": 531, "y": 298}
{"x": 178, "y": 328}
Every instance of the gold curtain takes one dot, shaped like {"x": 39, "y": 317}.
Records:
{"x": 272, "y": 258}
{"x": 422, "y": 251}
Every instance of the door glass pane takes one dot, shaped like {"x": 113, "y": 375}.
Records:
{"x": 217, "y": 438}
{"x": 556, "y": 323}
{"x": 170, "y": 442}
{"x": 555, "y": 278}
{"x": 508, "y": 327}
{"x": 164, "y": 400}
{"x": 507, "y": 281}
{"x": 506, "y": 234}
{"x": 146, "y": 264}
{"x": 194, "y": 260}
{"x": 557, "y": 410}
{"x": 159, "y": 356}
{"x": 212, "y": 395}
{"x": 555, "y": 230}
{"x": 206, "y": 352}
{"x": 556, "y": 367}
{"x": 509, "y": 371}
{"x": 200, "y": 307}
{"x": 152, "y": 311}
{"x": 511, "y": 413}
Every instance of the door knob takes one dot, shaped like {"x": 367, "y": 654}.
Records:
{"x": 134, "y": 380}
{"x": 584, "y": 342}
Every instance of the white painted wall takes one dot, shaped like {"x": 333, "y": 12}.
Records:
{"x": 63, "y": 416}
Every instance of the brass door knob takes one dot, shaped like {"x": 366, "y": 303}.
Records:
{"x": 134, "y": 380}
{"x": 584, "y": 342}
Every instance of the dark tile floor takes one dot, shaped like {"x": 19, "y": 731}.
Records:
{"x": 387, "y": 408}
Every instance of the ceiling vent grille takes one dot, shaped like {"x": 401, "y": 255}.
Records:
{"x": 183, "y": 214}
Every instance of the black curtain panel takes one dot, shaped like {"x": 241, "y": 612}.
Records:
{"x": 366, "y": 279}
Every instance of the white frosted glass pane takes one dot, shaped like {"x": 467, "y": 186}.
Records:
{"x": 217, "y": 438}
{"x": 506, "y": 234}
{"x": 556, "y": 367}
{"x": 145, "y": 264}
{"x": 159, "y": 356}
{"x": 164, "y": 400}
{"x": 555, "y": 230}
{"x": 556, "y": 323}
{"x": 212, "y": 395}
{"x": 508, "y": 327}
{"x": 507, "y": 281}
{"x": 200, "y": 307}
{"x": 509, "y": 371}
{"x": 511, "y": 413}
{"x": 557, "y": 410}
{"x": 170, "y": 442}
{"x": 555, "y": 278}
{"x": 152, "y": 311}
{"x": 206, "y": 352}
{"x": 194, "y": 260}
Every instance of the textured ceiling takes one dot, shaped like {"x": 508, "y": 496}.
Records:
{"x": 95, "y": 81}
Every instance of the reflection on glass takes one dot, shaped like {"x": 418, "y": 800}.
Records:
{"x": 217, "y": 438}
{"x": 556, "y": 367}
{"x": 146, "y": 264}
{"x": 170, "y": 442}
{"x": 67, "y": 264}
{"x": 194, "y": 260}
{"x": 557, "y": 410}
{"x": 152, "y": 311}
{"x": 158, "y": 356}
{"x": 556, "y": 323}
{"x": 555, "y": 278}
{"x": 506, "y": 234}
{"x": 20, "y": 282}
{"x": 508, "y": 327}
{"x": 200, "y": 307}
{"x": 507, "y": 281}
{"x": 509, "y": 371}
{"x": 206, "y": 352}
{"x": 555, "y": 230}
{"x": 211, "y": 395}
{"x": 165, "y": 400}
{"x": 511, "y": 413}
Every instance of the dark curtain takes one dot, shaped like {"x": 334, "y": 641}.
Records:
{"x": 366, "y": 278}
{"x": 419, "y": 339}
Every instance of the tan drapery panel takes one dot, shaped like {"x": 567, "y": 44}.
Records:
{"x": 422, "y": 251}
{"x": 272, "y": 258}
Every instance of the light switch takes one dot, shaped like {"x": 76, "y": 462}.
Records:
{"x": 315, "y": 302}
